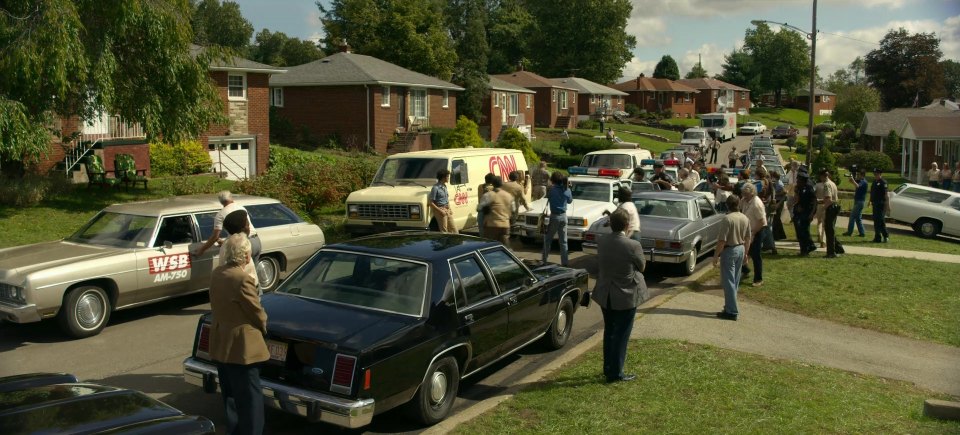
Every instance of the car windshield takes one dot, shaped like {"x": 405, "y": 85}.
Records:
{"x": 393, "y": 170}
{"x": 592, "y": 191}
{"x": 361, "y": 280}
{"x": 116, "y": 229}
{"x": 783, "y": 127}
{"x": 694, "y": 135}
{"x": 620, "y": 161}
{"x": 661, "y": 208}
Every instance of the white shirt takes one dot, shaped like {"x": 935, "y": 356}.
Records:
{"x": 225, "y": 211}
{"x": 631, "y": 209}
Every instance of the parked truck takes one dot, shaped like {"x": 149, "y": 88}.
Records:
{"x": 723, "y": 125}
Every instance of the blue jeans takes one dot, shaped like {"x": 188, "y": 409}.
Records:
{"x": 856, "y": 217}
{"x": 558, "y": 226}
{"x": 947, "y": 184}
{"x": 756, "y": 245}
{"x": 480, "y": 223}
{"x": 730, "y": 261}
{"x": 617, "y": 325}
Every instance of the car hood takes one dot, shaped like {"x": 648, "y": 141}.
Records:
{"x": 383, "y": 193}
{"x": 25, "y": 259}
{"x": 342, "y": 326}
{"x": 578, "y": 208}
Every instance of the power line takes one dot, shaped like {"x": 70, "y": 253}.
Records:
{"x": 847, "y": 37}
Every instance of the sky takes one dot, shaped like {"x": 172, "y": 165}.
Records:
{"x": 689, "y": 30}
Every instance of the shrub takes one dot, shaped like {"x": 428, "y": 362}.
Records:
{"x": 31, "y": 189}
{"x": 589, "y": 124}
{"x": 463, "y": 135}
{"x": 438, "y": 135}
{"x": 825, "y": 159}
{"x": 583, "y": 145}
{"x": 188, "y": 185}
{"x": 666, "y": 114}
{"x": 892, "y": 146}
{"x": 866, "y": 160}
{"x": 184, "y": 158}
{"x": 564, "y": 162}
{"x": 632, "y": 109}
{"x": 281, "y": 129}
{"x": 513, "y": 139}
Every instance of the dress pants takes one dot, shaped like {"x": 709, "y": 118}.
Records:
{"x": 617, "y": 325}
{"x": 445, "y": 222}
{"x": 756, "y": 245}
{"x": 730, "y": 261}
{"x": 801, "y": 224}
{"x": 242, "y": 398}
{"x": 879, "y": 222}
{"x": 830, "y": 230}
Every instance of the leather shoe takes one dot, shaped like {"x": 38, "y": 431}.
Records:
{"x": 726, "y": 316}
{"x": 831, "y": 256}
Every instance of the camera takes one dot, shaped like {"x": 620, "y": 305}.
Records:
{"x": 854, "y": 170}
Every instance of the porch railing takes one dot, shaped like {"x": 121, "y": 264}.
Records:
{"x": 116, "y": 128}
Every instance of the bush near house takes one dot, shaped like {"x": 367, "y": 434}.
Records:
{"x": 465, "y": 134}
{"x": 513, "y": 139}
{"x": 866, "y": 161}
{"x": 632, "y": 109}
{"x": 589, "y": 124}
{"x": 183, "y": 158}
{"x": 578, "y": 146}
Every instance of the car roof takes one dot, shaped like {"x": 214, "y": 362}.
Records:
{"x": 931, "y": 189}
{"x": 183, "y": 204}
{"x": 454, "y": 152}
{"x": 594, "y": 179}
{"x": 667, "y": 195}
{"x": 419, "y": 245}
{"x": 617, "y": 151}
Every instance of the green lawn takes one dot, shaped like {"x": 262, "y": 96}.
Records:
{"x": 672, "y": 136}
{"x": 691, "y": 122}
{"x": 906, "y": 241}
{"x": 771, "y": 117}
{"x": 685, "y": 388}
{"x": 894, "y": 295}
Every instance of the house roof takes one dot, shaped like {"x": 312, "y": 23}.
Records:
{"x": 652, "y": 84}
{"x": 238, "y": 64}
{"x": 817, "y": 91}
{"x": 584, "y": 86}
{"x": 500, "y": 85}
{"x": 531, "y": 80}
{"x": 880, "y": 123}
{"x": 349, "y": 69}
{"x": 709, "y": 83}
{"x": 931, "y": 127}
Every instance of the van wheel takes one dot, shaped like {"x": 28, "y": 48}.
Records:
{"x": 434, "y": 398}
{"x": 85, "y": 311}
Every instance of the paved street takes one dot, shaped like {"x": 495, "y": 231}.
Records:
{"x": 143, "y": 348}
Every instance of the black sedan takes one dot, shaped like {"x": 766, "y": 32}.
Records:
{"x": 399, "y": 319}
{"x": 58, "y": 403}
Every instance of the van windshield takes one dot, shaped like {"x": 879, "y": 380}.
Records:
{"x": 619, "y": 161}
{"x": 409, "y": 169}
{"x": 693, "y": 135}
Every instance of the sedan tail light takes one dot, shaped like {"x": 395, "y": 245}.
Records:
{"x": 203, "y": 342}
{"x": 342, "y": 379}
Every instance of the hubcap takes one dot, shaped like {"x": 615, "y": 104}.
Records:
{"x": 267, "y": 272}
{"x": 926, "y": 228}
{"x": 438, "y": 387}
{"x": 89, "y": 310}
{"x": 561, "y": 322}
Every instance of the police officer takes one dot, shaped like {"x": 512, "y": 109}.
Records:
{"x": 804, "y": 209}
{"x": 660, "y": 177}
{"x": 881, "y": 206}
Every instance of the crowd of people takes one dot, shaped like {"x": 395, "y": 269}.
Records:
{"x": 945, "y": 178}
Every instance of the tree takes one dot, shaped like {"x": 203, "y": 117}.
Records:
{"x": 906, "y": 69}
{"x": 853, "y": 101}
{"x": 216, "y": 23}
{"x": 469, "y": 18}
{"x": 666, "y": 69}
{"x": 892, "y": 146}
{"x": 408, "y": 33}
{"x": 951, "y": 78}
{"x": 279, "y": 50}
{"x": 564, "y": 46}
{"x": 697, "y": 72}
{"x": 508, "y": 29}
{"x": 825, "y": 159}
{"x": 738, "y": 70}
{"x": 64, "y": 58}
{"x": 781, "y": 59}
{"x": 466, "y": 133}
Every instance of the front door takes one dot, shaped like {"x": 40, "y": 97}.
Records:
{"x": 482, "y": 312}
{"x": 402, "y": 108}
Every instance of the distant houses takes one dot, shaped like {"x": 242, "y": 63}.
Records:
{"x": 927, "y": 134}
{"x": 823, "y": 104}
{"x": 507, "y": 106}
{"x": 660, "y": 95}
{"x": 718, "y": 96}
{"x": 556, "y": 103}
{"x": 594, "y": 99}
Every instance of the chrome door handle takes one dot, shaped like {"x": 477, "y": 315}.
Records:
{"x": 468, "y": 318}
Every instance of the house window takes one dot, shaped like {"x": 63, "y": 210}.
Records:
{"x": 563, "y": 99}
{"x": 714, "y": 93}
{"x": 237, "y": 87}
{"x": 384, "y": 96}
{"x": 553, "y": 95}
{"x": 446, "y": 99}
{"x": 826, "y": 98}
{"x": 938, "y": 148}
{"x": 276, "y": 97}
{"x": 686, "y": 97}
{"x": 593, "y": 99}
{"x": 529, "y": 99}
{"x": 817, "y": 99}
{"x": 418, "y": 99}
{"x": 514, "y": 104}
{"x": 496, "y": 99}
{"x": 743, "y": 95}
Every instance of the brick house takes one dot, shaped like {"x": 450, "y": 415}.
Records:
{"x": 925, "y": 140}
{"x": 238, "y": 150}
{"x": 659, "y": 95}
{"x": 507, "y": 106}
{"x": 713, "y": 92}
{"x": 593, "y": 99}
{"x": 876, "y": 126}
{"x": 556, "y": 104}
{"x": 365, "y": 102}
{"x": 823, "y": 104}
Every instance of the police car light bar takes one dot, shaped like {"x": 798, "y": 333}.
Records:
{"x": 646, "y": 162}
{"x": 577, "y": 170}
{"x": 600, "y": 172}
{"x": 671, "y": 162}
{"x": 610, "y": 172}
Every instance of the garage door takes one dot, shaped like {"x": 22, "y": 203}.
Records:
{"x": 232, "y": 159}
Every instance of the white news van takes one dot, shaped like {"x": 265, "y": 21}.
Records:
{"x": 722, "y": 125}
{"x": 397, "y": 197}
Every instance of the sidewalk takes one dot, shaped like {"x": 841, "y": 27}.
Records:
{"x": 779, "y": 334}
{"x": 881, "y": 252}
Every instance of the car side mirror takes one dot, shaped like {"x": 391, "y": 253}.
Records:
{"x": 167, "y": 244}
{"x": 529, "y": 281}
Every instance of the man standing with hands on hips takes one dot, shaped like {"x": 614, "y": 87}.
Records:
{"x": 620, "y": 289}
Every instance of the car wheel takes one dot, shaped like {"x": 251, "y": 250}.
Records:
{"x": 559, "y": 332}
{"x": 268, "y": 271}
{"x": 928, "y": 228}
{"x": 85, "y": 311}
{"x": 691, "y": 264}
{"x": 436, "y": 394}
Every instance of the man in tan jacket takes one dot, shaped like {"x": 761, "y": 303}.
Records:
{"x": 236, "y": 338}
{"x": 496, "y": 221}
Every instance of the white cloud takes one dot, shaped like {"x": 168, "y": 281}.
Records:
{"x": 636, "y": 66}
{"x": 711, "y": 55}
{"x": 649, "y": 31}
{"x": 712, "y": 8}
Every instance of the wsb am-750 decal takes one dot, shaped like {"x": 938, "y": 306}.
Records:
{"x": 170, "y": 267}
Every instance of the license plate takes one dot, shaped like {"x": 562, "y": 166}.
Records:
{"x": 661, "y": 243}
{"x": 278, "y": 350}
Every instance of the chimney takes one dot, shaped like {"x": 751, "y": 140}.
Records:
{"x": 344, "y": 46}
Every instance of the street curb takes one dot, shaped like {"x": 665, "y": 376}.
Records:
{"x": 941, "y": 409}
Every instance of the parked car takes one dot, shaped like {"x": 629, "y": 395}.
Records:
{"x": 607, "y": 162}
{"x": 620, "y": 143}
{"x": 46, "y": 403}
{"x": 401, "y": 318}
{"x": 761, "y": 141}
{"x": 135, "y": 253}
{"x": 591, "y": 197}
{"x": 784, "y": 131}
{"x": 675, "y": 227}
{"x": 930, "y": 211}
{"x": 753, "y": 127}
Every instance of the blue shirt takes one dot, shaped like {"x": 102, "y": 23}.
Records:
{"x": 558, "y": 197}
{"x": 861, "y": 193}
{"x": 438, "y": 195}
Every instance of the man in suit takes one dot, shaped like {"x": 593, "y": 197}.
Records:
{"x": 237, "y": 345}
{"x": 620, "y": 289}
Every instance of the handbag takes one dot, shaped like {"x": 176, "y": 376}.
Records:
{"x": 542, "y": 221}
{"x": 585, "y": 299}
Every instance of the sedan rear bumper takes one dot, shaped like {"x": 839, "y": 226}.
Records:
{"x": 651, "y": 255}
{"x": 19, "y": 313}
{"x": 315, "y": 406}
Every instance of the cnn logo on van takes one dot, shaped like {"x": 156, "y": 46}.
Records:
{"x": 502, "y": 165}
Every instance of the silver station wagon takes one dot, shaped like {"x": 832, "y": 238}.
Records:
{"x": 137, "y": 253}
